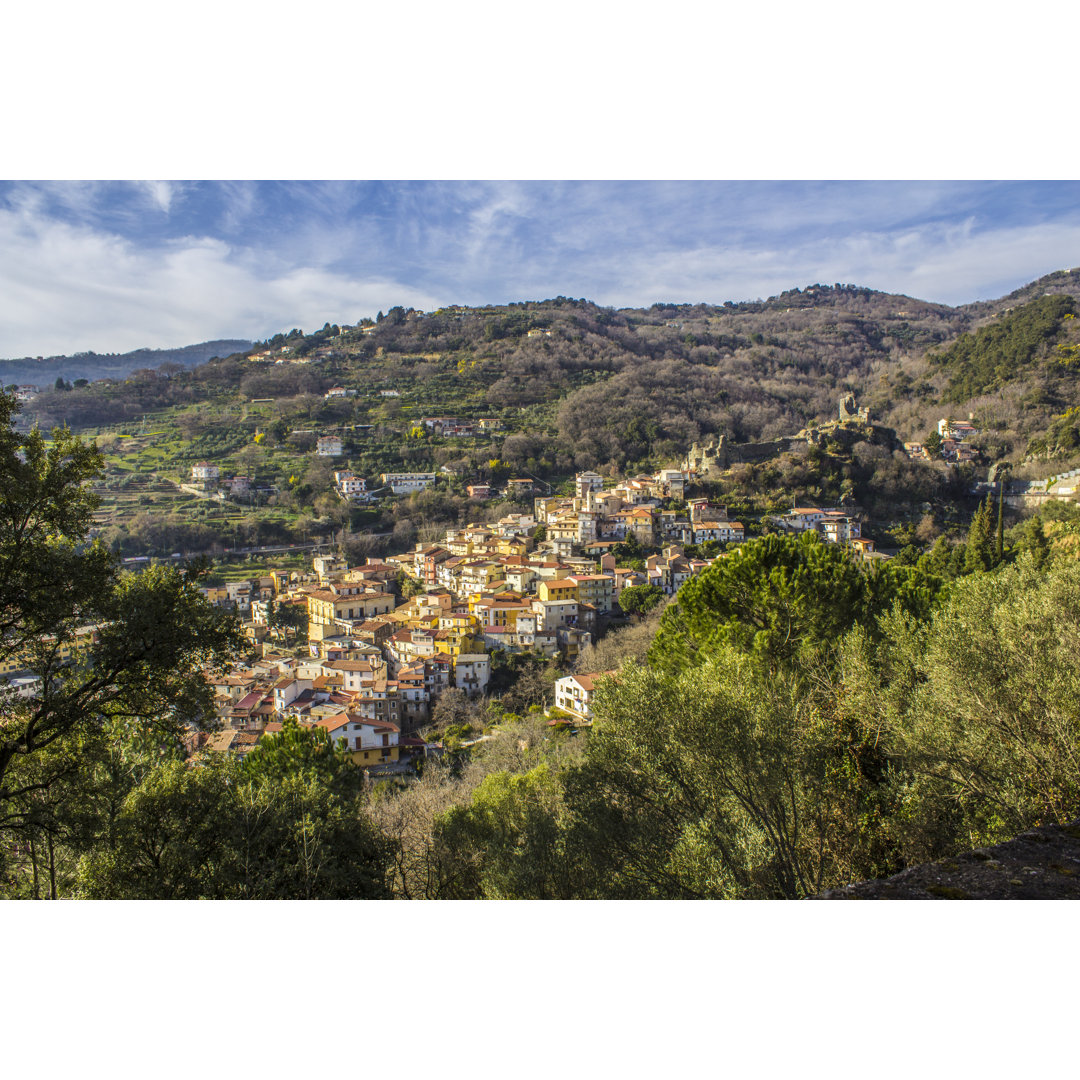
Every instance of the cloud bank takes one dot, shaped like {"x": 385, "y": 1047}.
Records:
{"x": 117, "y": 266}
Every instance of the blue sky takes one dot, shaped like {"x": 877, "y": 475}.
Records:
{"x": 114, "y": 266}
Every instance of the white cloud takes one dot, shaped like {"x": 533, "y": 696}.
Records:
{"x": 66, "y": 288}
{"x": 951, "y": 264}
{"x": 160, "y": 192}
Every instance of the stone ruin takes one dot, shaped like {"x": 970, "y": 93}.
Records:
{"x": 703, "y": 459}
{"x": 850, "y": 413}
{"x": 716, "y": 455}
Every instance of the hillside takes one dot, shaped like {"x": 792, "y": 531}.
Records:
{"x": 44, "y": 371}
{"x": 573, "y": 386}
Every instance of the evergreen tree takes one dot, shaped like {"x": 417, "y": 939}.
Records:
{"x": 979, "y": 552}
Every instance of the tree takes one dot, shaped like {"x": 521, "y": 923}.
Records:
{"x": 639, "y": 600}
{"x": 771, "y": 597}
{"x": 508, "y": 842}
{"x": 717, "y": 782}
{"x": 979, "y": 708}
{"x": 105, "y": 644}
{"x": 290, "y": 826}
{"x": 980, "y": 553}
{"x": 289, "y": 616}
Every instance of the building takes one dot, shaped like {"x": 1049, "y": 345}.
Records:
{"x": 204, "y": 473}
{"x": 575, "y": 693}
{"x": 839, "y": 528}
{"x": 350, "y": 486}
{"x": 472, "y": 672}
{"x": 329, "y": 446}
{"x": 405, "y": 483}
{"x": 587, "y": 481}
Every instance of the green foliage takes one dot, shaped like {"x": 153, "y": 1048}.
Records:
{"x": 980, "y": 708}
{"x": 154, "y": 631}
{"x": 222, "y": 831}
{"x": 1001, "y": 351}
{"x": 640, "y": 599}
{"x": 772, "y": 597}
{"x": 714, "y": 783}
{"x": 1062, "y": 437}
{"x": 509, "y": 841}
{"x": 981, "y": 549}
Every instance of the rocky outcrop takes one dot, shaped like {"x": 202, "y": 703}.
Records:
{"x": 1042, "y": 864}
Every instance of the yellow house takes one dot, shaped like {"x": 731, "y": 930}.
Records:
{"x": 512, "y": 545}
{"x": 327, "y": 607}
{"x": 67, "y": 650}
{"x": 458, "y": 640}
{"x": 557, "y": 589}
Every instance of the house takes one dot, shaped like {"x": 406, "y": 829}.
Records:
{"x": 948, "y": 428}
{"x": 371, "y": 742}
{"x": 350, "y": 486}
{"x": 472, "y": 672}
{"x": 575, "y": 693}
{"x": 800, "y": 518}
{"x": 479, "y": 491}
{"x": 404, "y": 483}
{"x": 329, "y": 609}
{"x": 672, "y": 482}
{"x": 329, "y": 446}
{"x": 839, "y": 528}
{"x": 339, "y": 392}
{"x": 585, "y": 482}
{"x": 204, "y": 473}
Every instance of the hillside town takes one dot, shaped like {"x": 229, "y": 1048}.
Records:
{"x": 387, "y": 638}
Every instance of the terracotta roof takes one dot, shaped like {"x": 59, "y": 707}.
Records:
{"x": 588, "y": 682}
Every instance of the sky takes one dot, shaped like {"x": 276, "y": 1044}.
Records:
{"x": 114, "y": 266}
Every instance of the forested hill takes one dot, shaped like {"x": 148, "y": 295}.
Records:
{"x": 44, "y": 371}
{"x": 583, "y": 386}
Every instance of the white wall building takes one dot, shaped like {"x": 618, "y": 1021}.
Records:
{"x": 204, "y": 473}
{"x": 404, "y": 483}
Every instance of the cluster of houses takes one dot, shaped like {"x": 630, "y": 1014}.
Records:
{"x": 833, "y": 525}
{"x": 206, "y": 479}
{"x": 595, "y": 519}
{"x": 377, "y": 662}
{"x": 455, "y": 427}
{"x": 956, "y": 448}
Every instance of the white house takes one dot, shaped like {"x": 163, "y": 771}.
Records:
{"x": 361, "y": 733}
{"x": 404, "y": 483}
{"x": 472, "y": 672}
{"x": 329, "y": 446}
{"x": 800, "y": 518}
{"x": 350, "y": 486}
{"x": 839, "y": 528}
{"x": 574, "y": 693}
{"x": 205, "y": 473}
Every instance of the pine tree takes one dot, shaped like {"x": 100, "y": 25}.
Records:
{"x": 1001, "y": 523}
{"x": 979, "y": 553}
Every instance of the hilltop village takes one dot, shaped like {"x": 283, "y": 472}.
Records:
{"x": 386, "y": 639}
